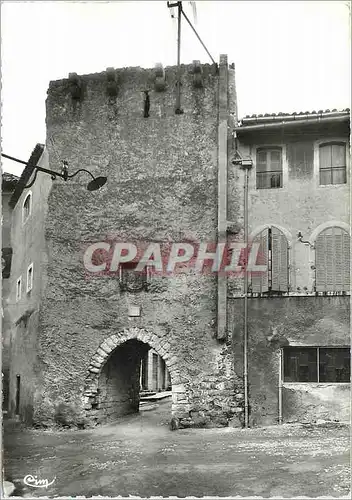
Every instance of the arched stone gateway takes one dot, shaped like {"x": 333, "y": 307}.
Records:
{"x": 132, "y": 343}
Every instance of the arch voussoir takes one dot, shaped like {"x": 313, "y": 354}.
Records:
{"x": 103, "y": 352}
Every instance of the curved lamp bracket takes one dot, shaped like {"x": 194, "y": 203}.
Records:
{"x": 93, "y": 185}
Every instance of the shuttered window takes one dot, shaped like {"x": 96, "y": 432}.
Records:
{"x": 6, "y": 259}
{"x": 332, "y": 163}
{"x": 332, "y": 260}
{"x": 269, "y": 168}
{"x": 273, "y": 253}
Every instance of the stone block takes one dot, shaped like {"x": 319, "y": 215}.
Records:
{"x": 110, "y": 342}
{"x": 93, "y": 369}
{"x": 102, "y": 353}
{"x": 106, "y": 347}
{"x": 178, "y": 388}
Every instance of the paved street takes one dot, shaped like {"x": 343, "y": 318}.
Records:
{"x": 141, "y": 456}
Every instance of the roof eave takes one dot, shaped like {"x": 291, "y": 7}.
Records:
{"x": 293, "y": 123}
{"x": 26, "y": 174}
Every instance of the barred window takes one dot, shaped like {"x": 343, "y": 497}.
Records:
{"x": 316, "y": 364}
{"x": 269, "y": 168}
{"x": 272, "y": 253}
{"x": 332, "y": 163}
{"x": 332, "y": 260}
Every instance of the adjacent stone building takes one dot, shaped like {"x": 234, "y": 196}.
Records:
{"x": 9, "y": 183}
{"x": 28, "y": 208}
{"x": 79, "y": 338}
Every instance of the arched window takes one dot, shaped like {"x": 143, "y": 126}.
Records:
{"x": 272, "y": 253}
{"x": 332, "y": 163}
{"x": 332, "y": 260}
{"x": 27, "y": 207}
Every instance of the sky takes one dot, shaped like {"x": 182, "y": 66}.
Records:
{"x": 289, "y": 55}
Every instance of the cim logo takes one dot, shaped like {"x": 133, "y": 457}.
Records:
{"x": 168, "y": 259}
{"x": 34, "y": 482}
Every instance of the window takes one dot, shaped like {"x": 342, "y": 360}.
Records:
{"x": 27, "y": 207}
{"x": 332, "y": 260}
{"x": 131, "y": 280}
{"x": 18, "y": 388}
{"x": 18, "y": 289}
{"x": 269, "y": 168}
{"x": 332, "y": 163}
{"x": 29, "y": 278}
{"x": 317, "y": 364}
{"x": 272, "y": 253}
{"x": 6, "y": 262}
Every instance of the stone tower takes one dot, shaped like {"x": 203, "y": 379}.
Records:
{"x": 167, "y": 182}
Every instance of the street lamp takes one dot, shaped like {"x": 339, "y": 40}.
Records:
{"x": 93, "y": 185}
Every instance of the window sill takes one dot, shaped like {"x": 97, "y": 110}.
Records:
{"x": 324, "y": 186}
{"x": 289, "y": 294}
{"x": 315, "y": 384}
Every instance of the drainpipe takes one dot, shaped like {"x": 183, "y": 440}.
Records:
{"x": 245, "y": 333}
{"x": 178, "y": 109}
{"x": 223, "y": 115}
{"x": 280, "y": 388}
{"x": 246, "y": 164}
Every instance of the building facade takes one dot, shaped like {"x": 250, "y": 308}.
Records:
{"x": 26, "y": 286}
{"x": 9, "y": 183}
{"x": 299, "y": 310}
{"x": 85, "y": 343}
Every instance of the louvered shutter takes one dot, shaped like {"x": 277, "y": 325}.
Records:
{"x": 346, "y": 262}
{"x": 279, "y": 261}
{"x": 260, "y": 280}
{"x": 332, "y": 260}
{"x": 320, "y": 263}
{"x": 338, "y": 264}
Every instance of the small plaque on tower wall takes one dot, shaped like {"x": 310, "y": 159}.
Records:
{"x": 134, "y": 311}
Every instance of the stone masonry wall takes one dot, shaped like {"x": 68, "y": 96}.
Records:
{"x": 162, "y": 186}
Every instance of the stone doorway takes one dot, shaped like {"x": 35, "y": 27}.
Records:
{"x": 120, "y": 372}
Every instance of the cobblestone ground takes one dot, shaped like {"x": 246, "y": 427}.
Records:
{"x": 139, "y": 455}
